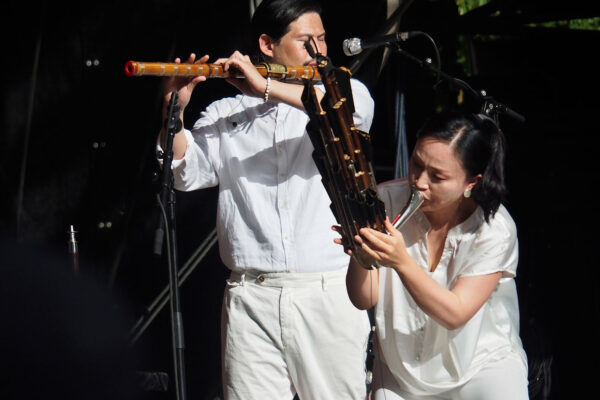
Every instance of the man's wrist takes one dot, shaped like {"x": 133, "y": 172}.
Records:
{"x": 267, "y": 89}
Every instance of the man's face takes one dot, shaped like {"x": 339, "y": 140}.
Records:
{"x": 290, "y": 50}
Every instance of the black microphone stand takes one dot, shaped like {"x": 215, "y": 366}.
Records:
{"x": 167, "y": 196}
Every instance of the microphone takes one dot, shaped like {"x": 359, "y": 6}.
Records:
{"x": 354, "y": 46}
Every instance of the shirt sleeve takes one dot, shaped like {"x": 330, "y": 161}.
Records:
{"x": 493, "y": 249}
{"x": 364, "y": 105}
{"x": 197, "y": 169}
{"x": 394, "y": 194}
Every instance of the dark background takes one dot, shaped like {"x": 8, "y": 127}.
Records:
{"x": 77, "y": 148}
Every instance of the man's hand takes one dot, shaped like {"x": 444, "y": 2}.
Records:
{"x": 183, "y": 85}
{"x": 254, "y": 84}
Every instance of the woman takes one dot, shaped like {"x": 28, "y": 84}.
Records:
{"x": 446, "y": 303}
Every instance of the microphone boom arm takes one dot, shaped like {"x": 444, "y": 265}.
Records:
{"x": 490, "y": 106}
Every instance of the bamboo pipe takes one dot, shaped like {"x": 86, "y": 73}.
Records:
{"x": 275, "y": 71}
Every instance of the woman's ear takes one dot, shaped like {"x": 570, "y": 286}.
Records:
{"x": 265, "y": 44}
{"x": 473, "y": 181}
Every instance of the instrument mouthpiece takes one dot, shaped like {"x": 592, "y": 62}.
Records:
{"x": 413, "y": 204}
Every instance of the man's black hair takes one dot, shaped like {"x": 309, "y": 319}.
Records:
{"x": 273, "y": 17}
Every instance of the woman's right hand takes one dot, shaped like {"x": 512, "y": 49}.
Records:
{"x": 184, "y": 85}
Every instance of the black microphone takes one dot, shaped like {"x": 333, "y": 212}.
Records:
{"x": 354, "y": 46}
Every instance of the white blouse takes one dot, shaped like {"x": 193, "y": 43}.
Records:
{"x": 423, "y": 356}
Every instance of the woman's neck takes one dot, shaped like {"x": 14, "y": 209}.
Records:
{"x": 448, "y": 218}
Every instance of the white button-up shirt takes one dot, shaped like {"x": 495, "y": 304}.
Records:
{"x": 425, "y": 357}
{"x": 273, "y": 212}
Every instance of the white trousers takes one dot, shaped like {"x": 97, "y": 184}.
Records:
{"x": 288, "y": 333}
{"x": 505, "y": 379}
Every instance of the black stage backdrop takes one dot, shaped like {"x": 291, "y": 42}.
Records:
{"x": 77, "y": 148}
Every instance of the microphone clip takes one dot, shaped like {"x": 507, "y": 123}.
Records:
{"x": 173, "y": 121}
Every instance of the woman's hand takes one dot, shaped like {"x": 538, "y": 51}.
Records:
{"x": 362, "y": 282}
{"x": 388, "y": 250}
{"x": 343, "y": 241}
{"x": 359, "y": 256}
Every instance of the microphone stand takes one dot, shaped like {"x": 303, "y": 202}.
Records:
{"x": 167, "y": 196}
{"x": 490, "y": 106}
{"x": 160, "y": 301}
{"x": 73, "y": 249}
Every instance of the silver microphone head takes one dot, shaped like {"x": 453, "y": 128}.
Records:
{"x": 352, "y": 46}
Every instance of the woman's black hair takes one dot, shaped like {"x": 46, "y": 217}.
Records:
{"x": 274, "y": 17}
{"x": 481, "y": 146}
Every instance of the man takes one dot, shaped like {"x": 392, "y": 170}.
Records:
{"x": 287, "y": 324}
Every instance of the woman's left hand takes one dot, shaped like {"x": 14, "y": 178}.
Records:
{"x": 343, "y": 241}
{"x": 387, "y": 249}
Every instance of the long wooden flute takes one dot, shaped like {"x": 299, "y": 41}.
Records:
{"x": 275, "y": 71}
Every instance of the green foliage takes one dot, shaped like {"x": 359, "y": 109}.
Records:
{"x": 592, "y": 24}
{"x": 464, "y": 6}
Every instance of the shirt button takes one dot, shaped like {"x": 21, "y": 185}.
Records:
{"x": 261, "y": 278}
{"x": 417, "y": 358}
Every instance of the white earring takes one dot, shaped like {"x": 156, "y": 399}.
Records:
{"x": 467, "y": 193}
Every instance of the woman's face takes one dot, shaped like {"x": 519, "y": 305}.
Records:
{"x": 437, "y": 172}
